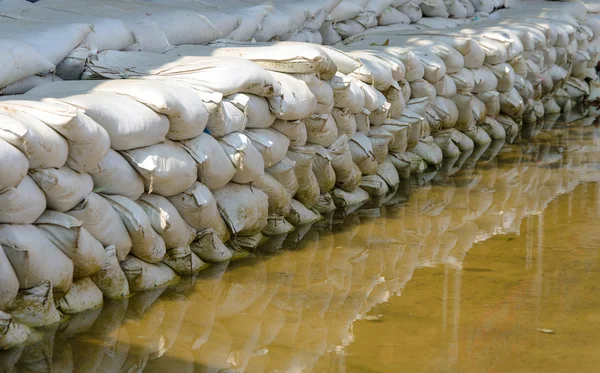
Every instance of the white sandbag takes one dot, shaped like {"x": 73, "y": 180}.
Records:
{"x": 143, "y": 276}
{"x": 22, "y": 204}
{"x": 348, "y": 28}
{"x": 374, "y": 71}
{"x": 183, "y": 261}
{"x": 524, "y": 87}
{"x": 345, "y": 121}
{"x": 519, "y": 66}
{"x": 413, "y": 11}
{"x": 295, "y": 131}
{"x": 244, "y": 208}
{"x": 244, "y": 156}
{"x": 321, "y": 90}
{"x": 418, "y": 105}
{"x": 110, "y": 279}
{"x": 323, "y": 169}
{"x": 446, "y": 110}
{"x": 347, "y": 93}
{"x": 446, "y": 87}
{"x": 308, "y": 186}
{"x": 391, "y": 16}
{"x": 30, "y": 61}
{"x": 22, "y": 86}
{"x": 284, "y": 173}
{"x": 434, "y": 8}
{"x": 415, "y": 121}
{"x": 228, "y": 117}
{"x": 485, "y": 6}
{"x": 146, "y": 243}
{"x": 362, "y": 154}
{"x": 464, "y": 80}
{"x": 166, "y": 221}
{"x": 271, "y": 144}
{"x": 279, "y": 198}
{"x": 43, "y": 147}
{"x": 347, "y": 173}
{"x": 9, "y": 283}
{"x": 422, "y": 88}
{"x": 11, "y": 176}
{"x": 35, "y": 306}
{"x": 484, "y": 79}
{"x": 511, "y": 103}
{"x": 103, "y": 222}
{"x": 256, "y": 110}
{"x": 505, "y": 75}
{"x": 399, "y": 131}
{"x": 12, "y": 333}
{"x": 209, "y": 247}
{"x": 380, "y": 138}
{"x": 374, "y": 99}
{"x": 70, "y": 237}
{"x": 300, "y": 215}
{"x": 457, "y": 9}
{"x": 479, "y": 110}
{"x": 342, "y": 198}
{"x": 299, "y": 100}
{"x": 34, "y": 258}
{"x": 363, "y": 123}
{"x": 321, "y": 129}
{"x": 114, "y": 175}
{"x": 345, "y": 63}
{"x": 198, "y": 208}
{"x": 491, "y": 100}
{"x": 494, "y": 129}
{"x": 464, "y": 104}
{"x": 552, "y": 107}
{"x": 83, "y": 295}
{"x": 166, "y": 167}
{"x": 577, "y": 89}
{"x": 435, "y": 68}
{"x": 214, "y": 169}
{"x": 63, "y": 187}
{"x": 511, "y": 128}
{"x": 395, "y": 97}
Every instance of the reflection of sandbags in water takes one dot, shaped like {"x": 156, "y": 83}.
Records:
{"x": 237, "y": 297}
{"x": 37, "y": 357}
{"x": 215, "y": 351}
{"x": 9, "y": 358}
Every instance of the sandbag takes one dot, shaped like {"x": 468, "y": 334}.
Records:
{"x": 35, "y": 259}
{"x": 114, "y": 175}
{"x": 511, "y": 103}
{"x": 301, "y": 215}
{"x": 323, "y": 169}
{"x": 342, "y": 198}
{"x": 277, "y": 226}
{"x": 209, "y": 247}
{"x": 399, "y": 131}
{"x": 12, "y": 333}
{"x": 11, "y": 176}
{"x": 244, "y": 156}
{"x": 362, "y": 153}
{"x": 31, "y": 62}
{"x": 295, "y": 131}
{"x": 9, "y": 283}
{"x": 70, "y": 237}
{"x": 22, "y": 204}
{"x": 321, "y": 90}
{"x": 166, "y": 167}
{"x": 284, "y": 173}
{"x": 321, "y": 129}
{"x": 35, "y": 307}
{"x": 63, "y": 187}
{"x": 244, "y": 208}
{"x": 146, "y": 243}
{"x": 485, "y": 79}
{"x": 446, "y": 87}
{"x": 298, "y": 100}
{"x": 198, "y": 207}
{"x": 183, "y": 261}
{"x": 143, "y": 276}
{"x": 271, "y": 144}
{"x": 103, "y": 222}
{"x": 110, "y": 279}
{"x": 464, "y": 80}
{"x": 347, "y": 173}
{"x": 505, "y": 75}
{"x": 229, "y": 116}
{"x": 397, "y": 101}
{"x": 447, "y": 111}
{"x": 345, "y": 121}
{"x": 347, "y": 93}
{"x": 214, "y": 169}
{"x": 256, "y": 109}
{"x": 83, "y": 295}
{"x": 494, "y": 129}
{"x": 380, "y": 138}
{"x": 166, "y": 221}
{"x": 308, "y": 186}
{"x": 491, "y": 100}
{"x": 278, "y": 197}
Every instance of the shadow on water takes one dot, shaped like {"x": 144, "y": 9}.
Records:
{"x": 346, "y": 295}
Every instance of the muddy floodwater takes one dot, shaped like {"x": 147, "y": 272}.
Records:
{"x": 491, "y": 265}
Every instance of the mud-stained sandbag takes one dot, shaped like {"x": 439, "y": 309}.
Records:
{"x": 301, "y": 215}
{"x": 22, "y": 204}
{"x": 321, "y": 129}
{"x": 244, "y": 156}
{"x": 209, "y": 247}
{"x": 12, "y": 333}
{"x": 83, "y": 295}
{"x": 114, "y": 175}
{"x": 397, "y": 100}
{"x": 347, "y": 173}
{"x": 491, "y": 100}
{"x": 9, "y": 283}
{"x": 297, "y": 100}
{"x": 144, "y": 276}
{"x": 183, "y": 261}
{"x": 11, "y": 176}
{"x": 494, "y": 129}
{"x": 198, "y": 207}
{"x": 213, "y": 165}
{"x": 271, "y": 144}
{"x": 146, "y": 243}
{"x": 277, "y": 226}
{"x": 110, "y": 279}
{"x": 63, "y": 187}
{"x": 43, "y": 147}
{"x": 308, "y": 185}
{"x": 166, "y": 167}
{"x": 284, "y": 173}
{"x": 295, "y": 131}
{"x": 511, "y": 128}
{"x": 103, "y": 222}
{"x": 35, "y": 306}
{"x": 279, "y": 198}
{"x": 166, "y": 221}
{"x": 345, "y": 122}
{"x": 323, "y": 169}
{"x": 380, "y": 138}
{"x": 428, "y": 151}
{"x": 244, "y": 208}
{"x": 342, "y": 198}
{"x": 325, "y": 204}
{"x": 35, "y": 259}
{"x": 399, "y": 131}
{"x": 362, "y": 153}
{"x": 511, "y": 103}
{"x": 69, "y": 235}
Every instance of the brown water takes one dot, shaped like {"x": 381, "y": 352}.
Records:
{"x": 492, "y": 269}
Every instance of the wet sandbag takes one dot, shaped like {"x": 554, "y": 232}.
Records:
{"x": 9, "y": 283}
{"x": 277, "y": 226}
{"x": 144, "y": 276}
{"x": 22, "y": 204}
{"x": 35, "y": 307}
{"x": 342, "y": 198}
{"x": 11, "y": 176}
{"x": 244, "y": 156}
{"x": 511, "y": 103}
{"x": 34, "y": 258}
{"x": 380, "y": 139}
{"x": 166, "y": 167}
{"x": 271, "y": 144}
{"x": 70, "y": 237}
{"x": 325, "y": 204}
{"x": 244, "y": 208}
{"x": 323, "y": 169}
{"x": 308, "y": 185}
{"x": 362, "y": 154}
{"x": 428, "y": 151}
{"x": 146, "y": 243}
{"x": 284, "y": 173}
{"x": 12, "y": 333}
{"x": 209, "y": 247}
{"x": 110, "y": 279}
{"x": 114, "y": 175}
{"x": 295, "y": 131}
{"x": 347, "y": 173}
{"x": 213, "y": 165}
{"x": 103, "y": 222}
{"x": 83, "y": 295}
{"x": 183, "y": 261}
{"x": 278, "y": 196}
{"x": 166, "y": 221}
{"x": 198, "y": 207}
{"x": 494, "y": 129}
{"x": 63, "y": 187}
{"x": 300, "y": 215}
